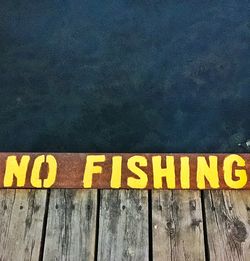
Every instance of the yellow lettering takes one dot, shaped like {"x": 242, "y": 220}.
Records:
{"x": 17, "y": 170}
{"x": 159, "y": 172}
{"x": 142, "y": 181}
{"x": 241, "y": 174}
{"x": 209, "y": 172}
{"x": 185, "y": 173}
{"x": 116, "y": 172}
{"x": 91, "y": 169}
{"x": 35, "y": 179}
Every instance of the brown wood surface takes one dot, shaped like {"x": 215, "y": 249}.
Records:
{"x": 21, "y": 224}
{"x": 71, "y": 225}
{"x": 123, "y": 226}
{"x": 177, "y": 226}
{"x": 228, "y": 225}
{"x": 71, "y": 166}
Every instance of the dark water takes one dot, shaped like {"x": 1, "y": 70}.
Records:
{"x": 133, "y": 75}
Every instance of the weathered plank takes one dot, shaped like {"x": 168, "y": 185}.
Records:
{"x": 71, "y": 225}
{"x": 123, "y": 225}
{"x": 177, "y": 225}
{"x": 21, "y": 219}
{"x": 228, "y": 224}
{"x": 125, "y": 170}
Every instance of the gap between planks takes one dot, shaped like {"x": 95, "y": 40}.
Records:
{"x": 124, "y": 225}
{"x": 69, "y": 232}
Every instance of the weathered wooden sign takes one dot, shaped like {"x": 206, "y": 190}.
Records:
{"x": 135, "y": 171}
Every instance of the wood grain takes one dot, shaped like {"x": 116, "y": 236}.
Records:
{"x": 71, "y": 225}
{"x": 228, "y": 229}
{"x": 177, "y": 226}
{"x": 21, "y": 219}
{"x": 123, "y": 225}
{"x": 68, "y": 171}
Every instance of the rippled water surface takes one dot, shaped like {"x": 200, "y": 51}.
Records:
{"x": 142, "y": 76}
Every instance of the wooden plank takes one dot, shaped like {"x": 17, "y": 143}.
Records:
{"x": 71, "y": 225}
{"x": 177, "y": 225}
{"x": 124, "y": 170}
{"x": 123, "y": 225}
{"x": 21, "y": 219}
{"x": 228, "y": 229}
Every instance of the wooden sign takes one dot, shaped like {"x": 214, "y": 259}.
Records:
{"x": 128, "y": 171}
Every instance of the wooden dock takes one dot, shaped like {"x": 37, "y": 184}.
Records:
{"x": 115, "y": 225}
